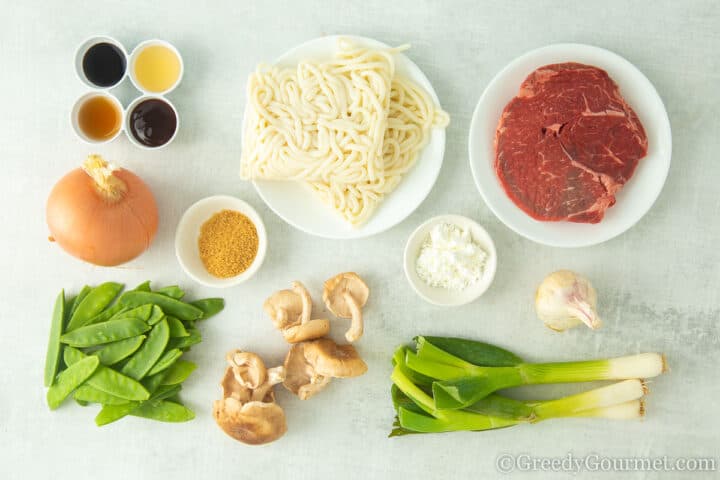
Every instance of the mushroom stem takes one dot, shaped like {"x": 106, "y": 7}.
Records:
{"x": 356, "y": 324}
{"x": 300, "y": 289}
{"x": 248, "y": 368}
{"x": 274, "y": 376}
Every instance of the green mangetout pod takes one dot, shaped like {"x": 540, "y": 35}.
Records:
{"x": 209, "y": 306}
{"x": 108, "y": 380}
{"x": 70, "y": 379}
{"x": 156, "y": 315}
{"x": 167, "y": 359}
{"x": 178, "y": 372}
{"x": 163, "y": 411}
{"x": 113, "y": 352}
{"x": 108, "y": 314}
{"x": 78, "y": 300}
{"x": 172, "y": 291}
{"x": 86, "y": 393}
{"x": 177, "y": 329}
{"x": 170, "y": 306}
{"x": 52, "y": 358}
{"x": 106, "y": 332}
{"x": 111, "y": 413}
{"x": 152, "y": 349}
{"x": 95, "y": 302}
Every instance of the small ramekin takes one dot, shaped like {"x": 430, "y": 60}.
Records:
{"x": 133, "y": 57}
{"x": 74, "y": 120}
{"x": 442, "y": 296}
{"x": 188, "y": 233}
{"x": 82, "y": 50}
{"x": 128, "y": 118}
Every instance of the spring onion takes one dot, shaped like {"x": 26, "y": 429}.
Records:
{"x": 459, "y": 383}
{"x": 436, "y": 388}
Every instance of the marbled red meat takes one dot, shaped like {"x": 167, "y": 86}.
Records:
{"x": 567, "y": 143}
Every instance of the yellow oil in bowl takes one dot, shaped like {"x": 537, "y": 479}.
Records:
{"x": 157, "y": 68}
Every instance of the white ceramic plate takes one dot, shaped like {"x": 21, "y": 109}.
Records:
{"x": 299, "y": 207}
{"x": 638, "y": 194}
{"x": 188, "y": 232}
{"x": 442, "y": 296}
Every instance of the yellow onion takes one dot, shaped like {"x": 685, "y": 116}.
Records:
{"x": 102, "y": 214}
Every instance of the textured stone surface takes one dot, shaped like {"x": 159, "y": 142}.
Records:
{"x": 658, "y": 283}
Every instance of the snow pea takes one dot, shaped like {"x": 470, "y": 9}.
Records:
{"x": 170, "y": 306}
{"x": 105, "y": 332}
{"x": 52, "y": 358}
{"x": 116, "y": 351}
{"x": 177, "y": 329}
{"x": 108, "y": 380}
{"x": 107, "y": 314}
{"x": 152, "y": 349}
{"x": 209, "y": 306}
{"x": 184, "y": 343}
{"x": 163, "y": 411}
{"x": 111, "y": 413}
{"x": 172, "y": 291}
{"x": 142, "y": 312}
{"x": 164, "y": 392}
{"x": 70, "y": 379}
{"x": 143, "y": 287}
{"x": 167, "y": 359}
{"x": 86, "y": 393}
{"x": 178, "y": 372}
{"x": 156, "y": 315}
{"x": 94, "y": 302}
{"x": 79, "y": 298}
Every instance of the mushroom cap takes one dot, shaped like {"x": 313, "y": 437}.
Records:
{"x": 253, "y": 423}
{"x": 248, "y": 367}
{"x": 300, "y": 377}
{"x": 284, "y": 307}
{"x": 307, "y": 331}
{"x": 289, "y": 308}
{"x": 332, "y": 360}
{"x": 232, "y": 388}
{"x": 335, "y": 287}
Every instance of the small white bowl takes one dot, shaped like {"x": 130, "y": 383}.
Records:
{"x": 83, "y": 49}
{"x": 443, "y": 296}
{"x": 75, "y": 120}
{"x": 133, "y": 58}
{"x": 128, "y": 118}
{"x": 188, "y": 231}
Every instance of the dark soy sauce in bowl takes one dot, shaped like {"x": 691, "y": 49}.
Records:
{"x": 152, "y": 122}
{"x": 104, "y": 64}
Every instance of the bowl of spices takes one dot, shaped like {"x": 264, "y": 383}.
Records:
{"x": 450, "y": 260}
{"x": 220, "y": 241}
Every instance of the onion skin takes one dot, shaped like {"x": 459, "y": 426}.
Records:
{"x": 94, "y": 227}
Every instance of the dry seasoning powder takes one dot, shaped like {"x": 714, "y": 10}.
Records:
{"x": 449, "y": 258}
{"x": 228, "y": 243}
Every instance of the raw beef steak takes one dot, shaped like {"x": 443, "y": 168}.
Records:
{"x": 567, "y": 144}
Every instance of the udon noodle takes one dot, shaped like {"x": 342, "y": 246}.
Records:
{"x": 348, "y": 128}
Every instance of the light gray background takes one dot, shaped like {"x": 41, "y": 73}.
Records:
{"x": 658, "y": 283}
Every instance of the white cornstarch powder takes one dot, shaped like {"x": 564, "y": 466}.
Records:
{"x": 450, "y": 259}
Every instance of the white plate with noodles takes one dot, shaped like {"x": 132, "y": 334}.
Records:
{"x": 302, "y": 208}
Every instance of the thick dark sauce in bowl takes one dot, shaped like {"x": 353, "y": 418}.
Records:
{"x": 153, "y": 122}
